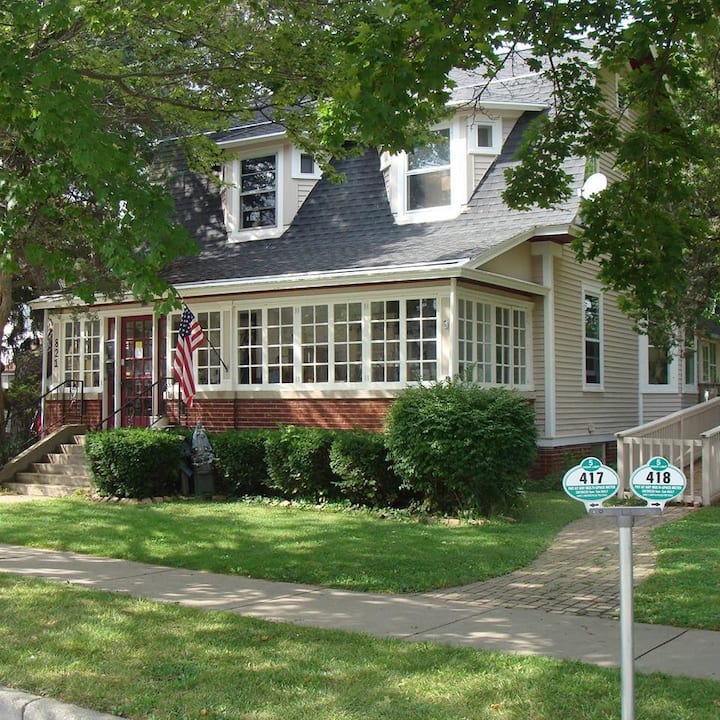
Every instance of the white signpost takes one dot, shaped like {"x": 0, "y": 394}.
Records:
{"x": 592, "y": 483}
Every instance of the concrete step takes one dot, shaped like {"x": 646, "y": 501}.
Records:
{"x": 47, "y": 468}
{"x": 72, "y": 450}
{"x": 38, "y": 478}
{"x": 42, "y": 490}
{"x": 66, "y": 459}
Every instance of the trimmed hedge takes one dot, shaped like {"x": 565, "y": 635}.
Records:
{"x": 364, "y": 476}
{"x": 298, "y": 463}
{"x": 135, "y": 463}
{"x": 462, "y": 447}
{"x": 240, "y": 461}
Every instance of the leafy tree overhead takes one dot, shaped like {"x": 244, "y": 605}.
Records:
{"x": 89, "y": 88}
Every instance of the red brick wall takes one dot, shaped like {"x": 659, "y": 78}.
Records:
{"x": 59, "y": 413}
{"x": 343, "y": 414}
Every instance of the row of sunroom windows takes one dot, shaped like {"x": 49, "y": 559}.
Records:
{"x": 372, "y": 342}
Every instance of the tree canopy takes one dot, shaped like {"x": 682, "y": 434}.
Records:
{"x": 89, "y": 89}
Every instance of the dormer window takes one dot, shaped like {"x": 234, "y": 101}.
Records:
{"x": 428, "y": 173}
{"x": 253, "y": 195}
{"x": 258, "y": 192}
{"x": 485, "y": 137}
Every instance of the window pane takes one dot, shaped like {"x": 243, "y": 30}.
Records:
{"x": 658, "y": 366}
{"x": 428, "y": 190}
{"x": 258, "y": 192}
{"x": 435, "y": 154}
{"x": 307, "y": 164}
{"x": 593, "y": 346}
{"x": 484, "y": 136}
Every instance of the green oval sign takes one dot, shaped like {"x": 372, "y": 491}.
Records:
{"x": 658, "y": 482}
{"x": 591, "y": 482}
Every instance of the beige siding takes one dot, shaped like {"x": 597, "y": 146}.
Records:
{"x": 516, "y": 263}
{"x": 303, "y": 188}
{"x": 481, "y": 163}
{"x": 615, "y": 407}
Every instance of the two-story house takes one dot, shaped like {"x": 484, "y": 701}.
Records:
{"x": 320, "y": 300}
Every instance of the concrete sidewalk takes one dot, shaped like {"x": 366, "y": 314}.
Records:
{"x": 417, "y": 617}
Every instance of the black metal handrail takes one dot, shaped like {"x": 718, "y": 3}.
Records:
{"x": 141, "y": 404}
{"x": 25, "y": 424}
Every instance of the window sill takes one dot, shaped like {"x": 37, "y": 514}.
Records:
{"x": 235, "y": 236}
{"x": 411, "y": 217}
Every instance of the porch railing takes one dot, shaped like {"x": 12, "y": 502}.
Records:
{"x": 689, "y": 439}
{"x": 25, "y": 424}
{"x": 153, "y": 403}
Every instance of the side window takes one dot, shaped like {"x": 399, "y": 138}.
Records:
{"x": 592, "y": 315}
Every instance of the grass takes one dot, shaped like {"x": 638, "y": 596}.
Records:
{"x": 349, "y": 550}
{"x": 151, "y": 661}
{"x": 685, "y": 589}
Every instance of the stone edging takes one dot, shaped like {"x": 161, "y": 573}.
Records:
{"x": 16, "y": 705}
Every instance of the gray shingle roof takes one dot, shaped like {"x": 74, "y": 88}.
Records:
{"x": 349, "y": 226}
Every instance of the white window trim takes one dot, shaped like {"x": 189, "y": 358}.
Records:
{"x": 690, "y": 388}
{"x": 473, "y": 147}
{"x": 232, "y": 197}
{"x": 498, "y": 302}
{"x": 595, "y": 292}
{"x": 458, "y": 182}
{"x": 672, "y": 387}
{"x": 62, "y": 371}
{"x": 365, "y": 299}
{"x": 170, "y": 340}
{"x": 297, "y": 172}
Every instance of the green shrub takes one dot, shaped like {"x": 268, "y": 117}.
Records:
{"x": 298, "y": 462}
{"x": 240, "y": 461}
{"x": 464, "y": 448}
{"x": 359, "y": 459}
{"x": 134, "y": 463}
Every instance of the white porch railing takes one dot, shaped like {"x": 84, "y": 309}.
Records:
{"x": 688, "y": 439}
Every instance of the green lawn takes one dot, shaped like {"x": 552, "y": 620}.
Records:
{"x": 350, "y": 550}
{"x": 685, "y": 588}
{"x": 151, "y": 661}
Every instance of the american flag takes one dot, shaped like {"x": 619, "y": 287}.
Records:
{"x": 190, "y": 337}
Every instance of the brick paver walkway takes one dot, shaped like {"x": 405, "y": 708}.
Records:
{"x": 578, "y": 574}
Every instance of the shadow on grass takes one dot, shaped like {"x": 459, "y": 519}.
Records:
{"x": 147, "y": 661}
{"x": 330, "y": 548}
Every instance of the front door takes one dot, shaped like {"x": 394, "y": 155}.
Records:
{"x": 136, "y": 366}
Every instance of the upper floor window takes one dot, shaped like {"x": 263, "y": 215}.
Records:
{"x": 485, "y": 137}
{"x": 592, "y": 310}
{"x": 82, "y": 352}
{"x": 258, "y": 192}
{"x": 252, "y": 197}
{"x": 427, "y": 176}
